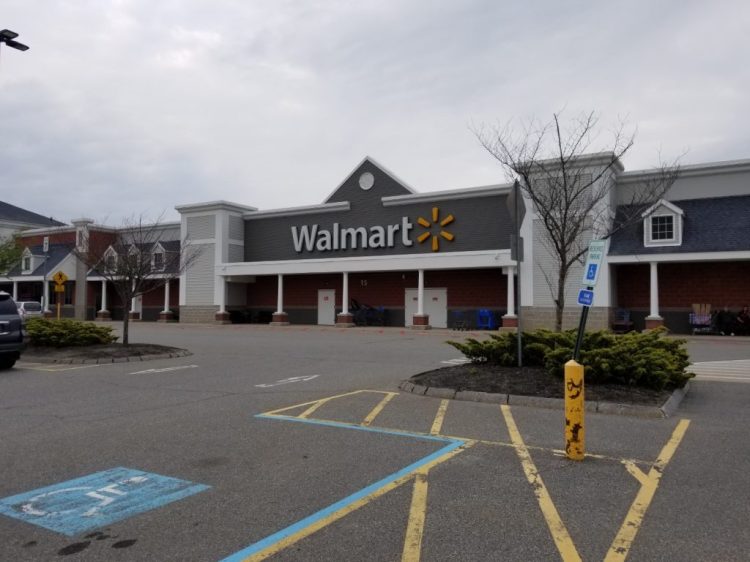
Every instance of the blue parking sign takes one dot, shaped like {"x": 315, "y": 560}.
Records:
{"x": 585, "y": 297}
{"x": 591, "y": 272}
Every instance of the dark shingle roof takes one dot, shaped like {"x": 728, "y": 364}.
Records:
{"x": 56, "y": 254}
{"x": 720, "y": 224}
{"x": 12, "y": 213}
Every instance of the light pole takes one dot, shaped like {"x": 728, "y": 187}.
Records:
{"x": 8, "y": 37}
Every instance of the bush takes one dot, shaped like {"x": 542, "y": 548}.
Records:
{"x": 67, "y": 333}
{"x": 637, "y": 359}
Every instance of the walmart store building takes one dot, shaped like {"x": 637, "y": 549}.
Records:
{"x": 419, "y": 257}
{"x": 433, "y": 259}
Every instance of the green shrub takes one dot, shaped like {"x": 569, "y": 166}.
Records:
{"x": 67, "y": 333}
{"x": 638, "y": 359}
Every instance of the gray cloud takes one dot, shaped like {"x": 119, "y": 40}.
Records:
{"x": 126, "y": 107}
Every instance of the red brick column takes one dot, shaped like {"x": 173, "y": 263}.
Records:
{"x": 103, "y": 315}
{"x": 653, "y": 323}
{"x": 280, "y": 319}
{"x": 510, "y": 321}
{"x": 345, "y": 320}
{"x": 136, "y": 316}
{"x": 219, "y": 317}
{"x": 421, "y": 322}
{"x": 166, "y": 316}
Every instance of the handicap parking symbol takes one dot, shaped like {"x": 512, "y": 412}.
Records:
{"x": 96, "y": 500}
{"x": 591, "y": 272}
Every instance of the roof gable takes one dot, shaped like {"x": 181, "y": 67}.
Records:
{"x": 717, "y": 224}
{"x": 665, "y": 204}
{"x": 369, "y": 182}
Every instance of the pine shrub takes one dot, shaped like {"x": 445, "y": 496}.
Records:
{"x": 636, "y": 359}
{"x": 67, "y": 333}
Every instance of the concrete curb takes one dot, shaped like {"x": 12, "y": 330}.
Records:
{"x": 104, "y": 360}
{"x": 664, "y": 411}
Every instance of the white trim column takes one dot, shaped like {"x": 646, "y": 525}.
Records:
{"x": 220, "y": 292}
{"x": 510, "y": 320}
{"x": 420, "y": 321}
{"x": 654, "y": 320}
{"x": 280, "y": 318}
{"x": 166, "y": 315}
{"x": 15, "y": 294}
{"x": 345, "y": 319}
{"x": 133, "y": 314}
{"x": 103, "y": 313}
{"x": 166, "y": 296}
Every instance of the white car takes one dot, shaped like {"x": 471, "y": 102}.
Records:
{"x": 29, "y": 309}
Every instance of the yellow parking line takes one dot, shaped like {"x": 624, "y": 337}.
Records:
{"x": 560, "y": 534}
{"x": 344, "y": 511}
{"x": 379, "y": 408}
{"x": 649, "y": 483}
{"x": 437, "y": 424}
{"x": 417, "y": 513}
{"x": 635, "y": 472}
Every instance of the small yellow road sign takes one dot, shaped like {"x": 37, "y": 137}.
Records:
{"x": 60, "y": 278}
{"x": 59, "y": 288}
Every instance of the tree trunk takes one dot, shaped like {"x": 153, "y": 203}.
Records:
{"x": 126, "y": 323}
{"x": 560, "y": 300}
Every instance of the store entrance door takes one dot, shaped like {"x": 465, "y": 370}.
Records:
{"x": 326, "y": 307}
{"x": 435, "y": 305}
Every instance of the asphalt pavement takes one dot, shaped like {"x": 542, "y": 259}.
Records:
{"x": 294, "y": 443}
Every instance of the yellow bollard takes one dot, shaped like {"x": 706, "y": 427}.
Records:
{"x": 575, "y": 435}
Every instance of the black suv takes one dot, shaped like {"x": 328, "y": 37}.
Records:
{"x": 11, "y": 335}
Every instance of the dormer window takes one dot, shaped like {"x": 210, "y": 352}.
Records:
{"x": 157, "y": 258}
{"x": 662, "y": 228}
{"x": 28, "y": 263}
{"x": 157, "y": 263}
{"x": 110, "y": 260}
{"x": 662, "y": 225}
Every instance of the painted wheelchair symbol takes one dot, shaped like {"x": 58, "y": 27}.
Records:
{"x": 50, "y": 504}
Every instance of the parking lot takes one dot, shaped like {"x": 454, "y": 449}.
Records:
{"x": 296, "y": 444}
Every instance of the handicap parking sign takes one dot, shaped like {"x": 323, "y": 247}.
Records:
{"x": 591, "y": 272}
{"x": 96, "y": 500}
{"x": 585, "y": 297}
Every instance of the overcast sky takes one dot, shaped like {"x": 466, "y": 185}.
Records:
{"x": 131, "y": 107}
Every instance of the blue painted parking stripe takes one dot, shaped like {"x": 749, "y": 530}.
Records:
{"x": 342, "y": 425}
{"x": 452, "y": 444}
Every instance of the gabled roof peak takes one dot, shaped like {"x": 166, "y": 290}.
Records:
{"x": 662, "y": 203}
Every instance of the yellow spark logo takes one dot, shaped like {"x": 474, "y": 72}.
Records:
{"x": 435, "y": 222}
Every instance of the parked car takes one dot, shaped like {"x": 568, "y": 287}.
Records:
{"x": 11, "y": 333}
{"x": 29, "y": 309}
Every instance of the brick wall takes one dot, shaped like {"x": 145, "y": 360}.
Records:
{"x": 59, "y": 238}
{"x": 532, "y": 318}
{"x": 194, "y": 314}
{"x": 682, "y": 284}
{"x": 466, "y": 288}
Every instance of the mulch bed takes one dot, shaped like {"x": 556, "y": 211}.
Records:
{"x": 531, "y": 381}
{"x": 113, "y": 350}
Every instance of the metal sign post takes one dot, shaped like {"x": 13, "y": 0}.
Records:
{"x": 60, "y": 279}
{"x": 575, "y": 428}
{"x": 518, "y": 210}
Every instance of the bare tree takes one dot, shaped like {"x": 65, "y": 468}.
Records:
{"x": 568, "y": 182}
{"x": 136, "y": 258}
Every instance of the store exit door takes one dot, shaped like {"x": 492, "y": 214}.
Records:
{"x": 326, "y": 307}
